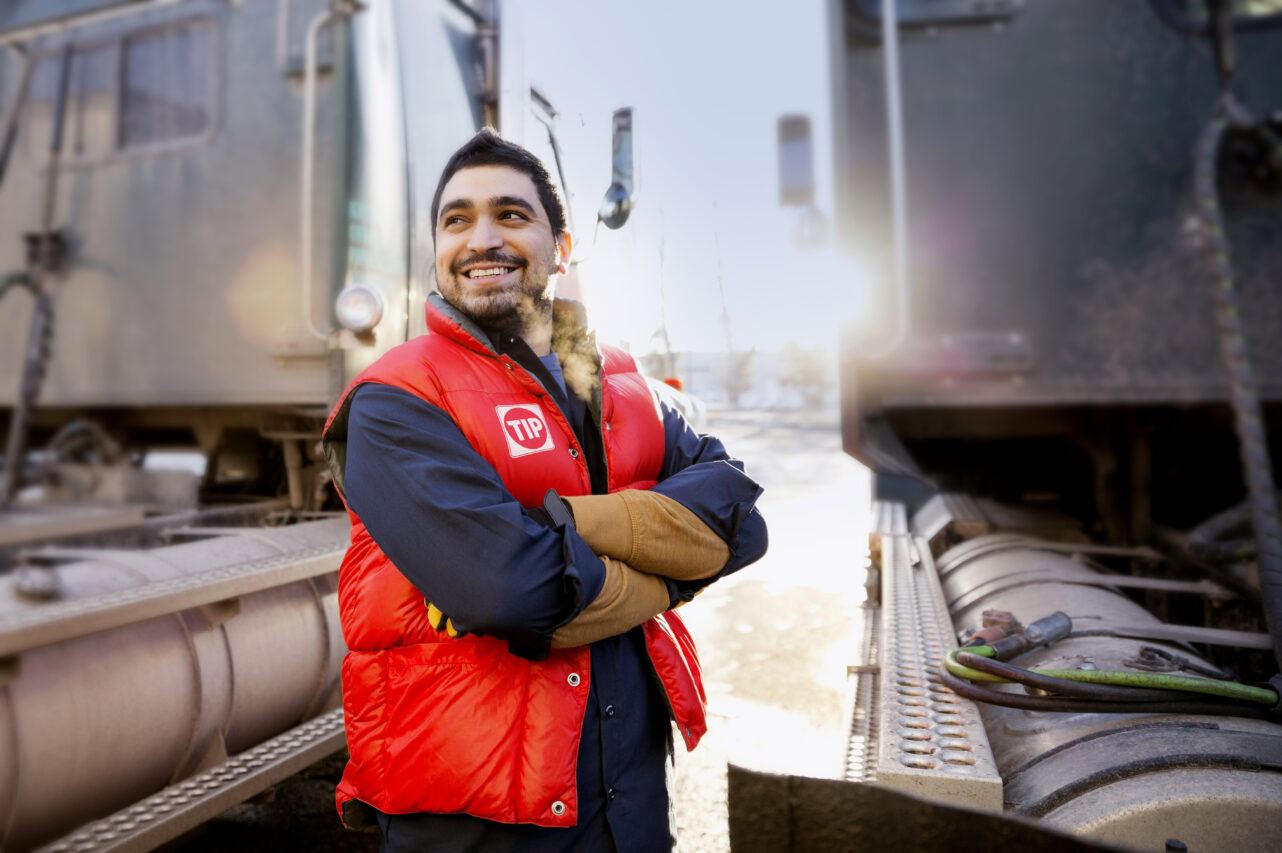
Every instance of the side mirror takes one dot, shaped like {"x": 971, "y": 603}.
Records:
{"x": 796, "y": 162}
{"x": 616, "y": 207}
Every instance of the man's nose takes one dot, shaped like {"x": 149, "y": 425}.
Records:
{"x": 485, "y": 235}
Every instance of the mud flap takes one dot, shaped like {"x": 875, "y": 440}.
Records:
{"x": 794, "y": 813}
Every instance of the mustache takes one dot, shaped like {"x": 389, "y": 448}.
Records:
{"x": 490, "y": 256}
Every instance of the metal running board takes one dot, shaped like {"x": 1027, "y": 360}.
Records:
{"x": 862, "y": 682}
{"x": 930, "y": 742}
{"x": 33, "y": 627}
{"x": 185, "y": 805}
{"x": 22, "y": 525}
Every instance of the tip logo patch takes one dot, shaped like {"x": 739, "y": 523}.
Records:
{"x": 525, "y": 429}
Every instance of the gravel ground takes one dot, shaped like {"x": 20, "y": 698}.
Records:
{"x": 774, "y": 641}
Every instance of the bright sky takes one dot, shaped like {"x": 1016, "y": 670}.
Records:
{"x": 708, "y": 82}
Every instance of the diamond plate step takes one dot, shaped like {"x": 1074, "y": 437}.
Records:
{"x": 930, "y": 741}
{"x": 862, "y": 682}
{"x": 185, "y": 805}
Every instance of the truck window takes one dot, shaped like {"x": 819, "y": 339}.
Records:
{"x": 89, "y": 119}
{"x": 167, "y": 86}
{"x": 134, "y": 92}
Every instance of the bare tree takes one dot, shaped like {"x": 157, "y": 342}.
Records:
{"x": 807, "y": 370}
{"x": 738, "y": 374}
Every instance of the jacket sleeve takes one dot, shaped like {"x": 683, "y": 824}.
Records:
{"x": 443, "y": 516}
{"x": 701, "y": 475}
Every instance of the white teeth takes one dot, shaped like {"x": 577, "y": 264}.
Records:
{"x": 487, "y": 273}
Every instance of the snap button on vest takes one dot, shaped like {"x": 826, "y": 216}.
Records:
{"x": 573, "y": 679}
{"x": 574, "y": 454}
{"x": 558, "y": 808}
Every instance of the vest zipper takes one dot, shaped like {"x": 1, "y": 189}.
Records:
{"x": 603, "y": 428}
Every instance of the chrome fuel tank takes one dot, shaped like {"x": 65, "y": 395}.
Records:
{"x": 130, "y": 669}
{"x": 1211, "y": 782}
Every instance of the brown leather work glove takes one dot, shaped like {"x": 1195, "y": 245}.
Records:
{"x": 649, "y": 532}
{"x": 627, "y": 599}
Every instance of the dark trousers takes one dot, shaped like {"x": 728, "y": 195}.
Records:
{"x": 414, "y": 833}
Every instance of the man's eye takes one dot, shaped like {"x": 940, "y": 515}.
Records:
{"x": 452, "y": 220}
{"x": 512, "y": 214}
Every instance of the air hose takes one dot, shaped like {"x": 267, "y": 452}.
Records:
{"x": 39, "y": 347}
{"x": 14, "y": 279}
{"x": 1248, "y": 418}
{"x": 1192, "y": 705}
{"x": 1220, "y": 525}
{"x": 975, "y": 663}
{"x": 44, "y": 257}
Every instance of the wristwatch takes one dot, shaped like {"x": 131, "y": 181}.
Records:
{"x": 559, "y": 512}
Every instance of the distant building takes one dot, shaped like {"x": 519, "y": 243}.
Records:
{"x": 788, "y": 379}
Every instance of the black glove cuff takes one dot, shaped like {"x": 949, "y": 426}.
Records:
{"x": 674, "y": 593}
{"x": 529, "y": 646}
{"x": 557, "y": 510}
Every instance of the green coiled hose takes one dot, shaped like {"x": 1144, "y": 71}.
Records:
{"x": 1120, "y": 678}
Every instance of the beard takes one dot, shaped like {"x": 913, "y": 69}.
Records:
{"x": 510, "y": 308}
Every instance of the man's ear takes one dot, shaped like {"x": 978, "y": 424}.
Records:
{"x": 564, "y": 244}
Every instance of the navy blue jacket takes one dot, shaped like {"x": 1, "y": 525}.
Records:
{"x": 409, "y": 468}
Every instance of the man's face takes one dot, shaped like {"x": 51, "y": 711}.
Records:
{"x": 495, "y": 251}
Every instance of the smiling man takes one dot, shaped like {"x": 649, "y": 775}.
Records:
{"x": 496, "y": 255}
{"x": 525, "y": 515}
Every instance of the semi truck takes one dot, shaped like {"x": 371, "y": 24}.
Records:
{"x": 1067, "y": 387}
{"x": 213, "y": 215}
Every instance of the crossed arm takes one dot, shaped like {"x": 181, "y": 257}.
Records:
{"x": 644, "y": 539}
{"x": 443, "y": 516}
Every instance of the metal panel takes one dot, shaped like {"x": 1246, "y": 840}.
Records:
{"x": 951, "y": 510}
{"x": 25, "y": 13}
{"x": 30, "y": 524}
{"x": 439, "y": 66}
{"x": 1049, "y": 177}
{"x": 185, "y": 274}
{"x": 783, "y": 814}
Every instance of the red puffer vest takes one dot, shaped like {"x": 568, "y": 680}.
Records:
{"x": 444, "y": 725}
